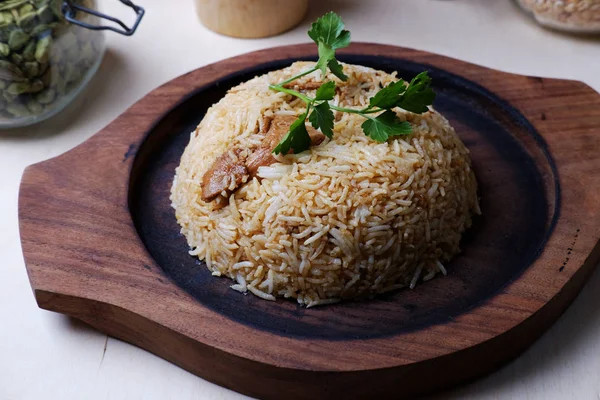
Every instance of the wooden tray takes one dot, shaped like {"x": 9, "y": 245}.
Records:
{"x": 101, "y": 243}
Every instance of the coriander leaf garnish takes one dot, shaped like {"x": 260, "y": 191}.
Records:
{"x": 297, "y": 139}
{"x": 389, "y": 96}
{"x": 322, "y": 118}
{"x": 385, "y": 126}
{"x": 329, "y": 29}
{"x": 414, "y": 97}
{"x": 329, "y": 34}
{"x": 418, "y": 94}
{"x": 326, "y": 54}
{"x": 337, "y": 69}
{"x": 326, "y": 91}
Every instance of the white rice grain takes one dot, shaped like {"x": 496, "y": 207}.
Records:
{"x": 350, "y": 217}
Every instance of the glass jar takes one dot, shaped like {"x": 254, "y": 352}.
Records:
{"x": 577, "y": 16}
{"x": 49, "y": 51}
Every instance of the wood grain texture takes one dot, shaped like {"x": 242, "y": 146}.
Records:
{"x": 517, "y": 189}
{"x": 85, "y": 257}
{"x": 251, "y": 18}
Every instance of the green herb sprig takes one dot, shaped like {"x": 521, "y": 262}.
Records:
{"x": 329, "y": 34}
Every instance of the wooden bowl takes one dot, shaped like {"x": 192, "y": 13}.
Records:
{"x": 251, "y": 18}
{"x": 101, "y": 242}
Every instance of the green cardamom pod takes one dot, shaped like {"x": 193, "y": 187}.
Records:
{"x": 5, "y": 26}
{"x": 6, "y": 18}
{"x": 26, "y": 9}
{"x": 27, "y": 21}
{"x": 9, "y": 97}
{"x": 36, "y": 86}
{"x": 17, "y": 40}
{"x": 11, "y": 4}
{"x": 39, "y": 3}
{"x": 56, "y": 7}
{"x": 17, "y": 88}
{"x": 41, "y": 29}
{"x": 43, "y": 67}
{"x": 42, "y": 57}
{"x": 34, "y": 107}
{"x": 4, "y": 50}
{"x": 5, "y": 30}
{"x": 29, "y": 52}
{"x": 46, "y": 97}
{"x": 16, "y": 58}
{"x": 18, "y": 110}
{"x": 45, "y": 14}
{"x": 31, "y": 69}
{"x": 11, "y": 72}
{"x": 42, "y": 49}
{"x": 46, "y": 75}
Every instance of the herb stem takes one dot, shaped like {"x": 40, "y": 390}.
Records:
{"x": 299, "y": 95}
{"x": 354, "y": 111}
{"x": 367, "y": 117}
{"x": 381, "y": 121}
{"x": 371, "y": 110}
{"x": 307, "y": 109}
{"x": 293, "y": 78}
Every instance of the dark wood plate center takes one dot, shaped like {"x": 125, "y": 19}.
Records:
{"x": 519, "y": 198}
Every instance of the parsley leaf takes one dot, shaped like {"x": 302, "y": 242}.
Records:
{"x": 418, "y": 94}
{"x": 385, "y": 126}
{"x": 337, "y": 69}
{"x": 388, "y": 96}
{"x": 415, "y": 97}
{"x": 329, "y": 29}
{"x": 326, "y": 54}
{"x": 329, "y": 34}
{"x": 297, "y": 138}
{"x": 322, "y": 117}
{"x": 326, "y": 91}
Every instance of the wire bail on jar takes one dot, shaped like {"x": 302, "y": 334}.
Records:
{"x": 70, "y": 9}
{"x": 49, "y": 52}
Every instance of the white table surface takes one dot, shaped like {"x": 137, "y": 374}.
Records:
{"x": 48, "y": 356}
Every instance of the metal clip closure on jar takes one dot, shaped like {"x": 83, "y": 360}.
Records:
{"x": 49, "y": 51}
{"x": 69, "y": 9}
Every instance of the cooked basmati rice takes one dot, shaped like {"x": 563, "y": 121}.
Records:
{"x": 348, "y": 218}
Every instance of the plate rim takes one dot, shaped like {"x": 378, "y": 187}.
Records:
{"x": 148, "y": 148}
{"x": 58, "y": 286}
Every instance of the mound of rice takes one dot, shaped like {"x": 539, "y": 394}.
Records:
{"x": 348, "y": 218}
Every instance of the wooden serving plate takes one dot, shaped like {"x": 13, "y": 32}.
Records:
{"x": 101, "y": 243}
